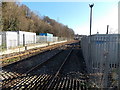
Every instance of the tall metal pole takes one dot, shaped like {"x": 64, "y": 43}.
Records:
{"x": 107, "y": 29}
{"x": 119, "y": 45}
{"x": 90, "y": 62}
{"x": 91, "y": 16}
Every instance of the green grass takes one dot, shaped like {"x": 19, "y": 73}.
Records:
{"x": 11, "y": 60}
{"x": 2, "y": 48}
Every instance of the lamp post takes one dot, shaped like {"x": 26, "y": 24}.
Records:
{"x": 91, "y": 5}
{"x": 90, "y": 62}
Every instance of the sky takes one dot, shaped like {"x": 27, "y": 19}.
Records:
{"x": 76, "y": 15}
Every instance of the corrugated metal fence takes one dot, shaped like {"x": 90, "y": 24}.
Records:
{"x": 101, "y": 55}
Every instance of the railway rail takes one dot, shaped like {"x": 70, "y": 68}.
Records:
{"x": 15, "y": 57}
{"x": 16, "y": 64}
{"x": 44, "y": 76}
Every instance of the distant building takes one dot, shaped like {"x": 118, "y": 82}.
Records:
{"x": 78, "y": 37}
{"x": 46, "y": 34}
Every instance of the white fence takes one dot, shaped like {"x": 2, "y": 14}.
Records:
{"x": 0, "y": 40}
{"x": 25, "y": 38}
{"x": 101, "y": 56}
{"x": 8, "y": 39}
{"x": 11, "y": 39}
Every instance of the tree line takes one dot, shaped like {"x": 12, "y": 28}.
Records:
{"x": 16, "y": 16}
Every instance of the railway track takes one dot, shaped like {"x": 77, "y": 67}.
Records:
{"x": 26, "y": 64}
{"x": 47, "y": 75}
{"x": 17, "y": 56}
{"x": 41, "y": 82}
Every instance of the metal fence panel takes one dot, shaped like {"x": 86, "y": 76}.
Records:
{"x": 26, "y": 38}
{"x": 11, "y": 39}
{"x": 101, "y": 55}
{"x": 0, "y": 40}
{"x": 55, "y": 39}
{"x": 41, "y": 39}
{"x": 45, "y": 39}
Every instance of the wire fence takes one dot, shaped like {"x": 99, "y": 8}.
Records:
{"x": 45, "y": 39}
{"x": 7, "y": 43}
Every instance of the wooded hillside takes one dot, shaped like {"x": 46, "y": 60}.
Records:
{"x": 19, "y": 17}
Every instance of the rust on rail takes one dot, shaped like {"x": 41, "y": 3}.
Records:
{"x": 38, "y": 50}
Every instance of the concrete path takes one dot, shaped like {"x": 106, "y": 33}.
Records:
{"x": 28, "y": 47}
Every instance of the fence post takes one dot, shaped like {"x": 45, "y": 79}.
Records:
{"x": 118, "y": 62}
{"x": 106, "y": 67}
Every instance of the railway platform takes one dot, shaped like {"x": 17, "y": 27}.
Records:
{"x": 27, "y": 47}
